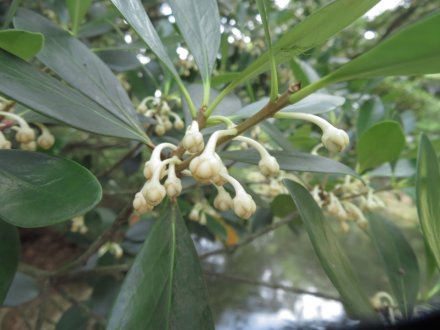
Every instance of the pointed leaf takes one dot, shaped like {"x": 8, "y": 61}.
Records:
{"x": 134, "y": 13}
{"x": 40, "y": 92}
{"x": 428, "y": 195}
{"x": 21, "y": 43}
{"x": 311, "y": 32}
{"x": 414, "y": 50}
{"x": 9, "y": 255}
{"x": 77, "y": 11}
{"x": 199, "y": 24}
{"x": 330, "y": 253}
{"x": 292, "y": 161}
{"x": 164, "y": 288}
{"x": 399, "y": 260}
{"x": 40, "y": 190}
{"x": 379, "y": 144}
{"x": 80, "y": 67}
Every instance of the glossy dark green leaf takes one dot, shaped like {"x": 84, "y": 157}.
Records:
{"x": 23, "y": 44}
{"x": 120, "y": 60}
{"x": 164, "y": 288}
{"x": 428, "y": 195}
{"x": 412, "y": 51}
{"x": 282, "y": 205}
{"x": 381, "y": 143}
{"x": 399, "y": 260}
{"x": 77, "y": 11}
{"x": 40, "y": 92}
{"x": 311, "y": 32}
{"x": 293, "y": 161}
{"x": 134, "y": 13}
{"x": 81, "y": 68}
{"x": 9, "y": 255}
{"x": 331, "y": 254}
{"x": 40, "y": 190}
{"x": 277, "y": 136}
{"x": 199, "y": 24}
{"x": 370, "y": 113}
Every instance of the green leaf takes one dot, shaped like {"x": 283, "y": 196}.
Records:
{"x": 81, "y": 68}
{"x": 9, "y": 255}
{"x": 23, "y": 44}
{"x": 292, "y": 161}
{"x": 74, "y": 318}
{"x": 164, "y": 288}
{"x": 428, "y": 195}
{"x": 331, "y": 255}
{"x": 370, "y": 113}
{"x": 412, "y": 51}
{"x": 40, "y": 190}
{"x": 315, "y": 103}
{"x": 40, "y": 92}
{"x": 282, "y": 205}
{"x": 23, "y": 289}
{"x": 379, "y": 144}
{"x": 311, "y": 32}
{"x": 399, "y": 260}
{"x": 199, "y": 24}
{"x": 77, "y": 11}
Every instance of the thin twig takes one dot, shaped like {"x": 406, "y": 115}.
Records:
{"x": 252, "y": 237}
{"x": 274, "y": 286}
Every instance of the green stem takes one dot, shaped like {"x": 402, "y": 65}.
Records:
{"x": 184, "y": 91}
{"x": 213, "y": 120}
{"x": 206, "y": 92}
{"x": 218, "y": 99}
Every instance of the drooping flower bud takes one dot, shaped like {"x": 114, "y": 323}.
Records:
{"x": 155, "y": 160}
{"x": 173, "y": 184}
{"x": 335, "y": 208}
{"x": 29, "y": 146}
{"x": 193, "y": 139}
{"x": 46, "y": 140}
{"x": 140, "y": 205}
{"x": 167, "y": 124}
{"x": 243, "y": 204}
{"x": 24, "y": 134}
{"x": 153, "y": 192}
{"x": 335, "y": 139}
{"x": 223, "y": 200}
{"x": 4, "y": 143}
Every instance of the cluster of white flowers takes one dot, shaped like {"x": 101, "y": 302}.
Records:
{"x": 347, "y": 202}
{"x": 160, "y": 110}
{"x": 24, "y": 134}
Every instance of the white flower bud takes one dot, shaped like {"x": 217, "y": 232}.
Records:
{"x": 205, "y": 167}
{"x": 29, "y": 146}
{"x": 178, "y": 124}
{"x": 155, "y": 160}
{"x": 153, "y": 192}
{"x": 244, "y": 205}
{"x": 167, "y": 124}
{"x": 335, "y": 139}
{"x": 269, "y": 166}
{"x": 140, "y": 205}
{"x": 46, "y": 140}
{"x": 165, "y": 108}
{"x": 173, "y": 184}
{"x": 223, "y": 200}
{"x": 193, "y": 139}
{"x": 4, "y": 143}
{"x": 159, "y": 130}
{"x": 25, "y": 134}
{"x": 219, "y": 179}
{"x": 194, "y": 214}
{"x": 335, "y": 208}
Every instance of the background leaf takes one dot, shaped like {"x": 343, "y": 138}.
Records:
{"x": 428, "y": 195}
{"x": 379, "y": 144}
{"x": 77, "y": 11}
{"x": 9, "y": 255}
{"x": 412, "y": 51}
{"x": 164, "y": 288}
{"x": 81, "y": 68}
{"x": 399, "y": 260}
{"x": 39, "y": 190}
{"x": 292, "y": 161}
{"x": 21, "y": 43}
{"x": 40, "y": 92}
{"x": 199, "y": 24}
{"x": 22, "y": 290}
{"x": 331, "y": 255}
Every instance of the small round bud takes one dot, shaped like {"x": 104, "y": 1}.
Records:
{"x": 25, "y": 134}
{"x": 244, "y": 205}
{"x": 223, "y": 200}
{"x": 173, "y": 186}
{"x": 269, "y": 166}
{"x": 140, "y": 204}
{"x": 178, "y": 124}
{"x": 46, "y": 140}
{"x": 4, "y": 144}
{"x": 205, "y": 167}
{"x": 142, "y": 108}
{"x": 159, "y": 130}
{"x": 165, "y": 109}
{"x": 153, "y": 192}
{"x": 30, "y": 146}
{"x": 335, "y": 139}
{"x": 193, "y": 139}
{"x": 167, "y": 124}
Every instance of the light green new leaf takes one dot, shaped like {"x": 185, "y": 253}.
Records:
{"x": 311, "y": 32}
{"x": 331, "y": 255}
{"x": 81, "y": 68}
{"x": 40, "y": 190}
{"x": 9, "y": 255}
{"x": 292, "y": 161}
{"x": 379, "y": 144}
{"x": 77, "y": 10}
{"x": 23, "y": 44}
{"x": 164, "y": 288}
{"x": 40, "y": 92}
{"x": 428, "y": 195}
{"x": 199, "y": 24}
{"x": 399, "y": 260}
{"x": 414, "y": 50}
